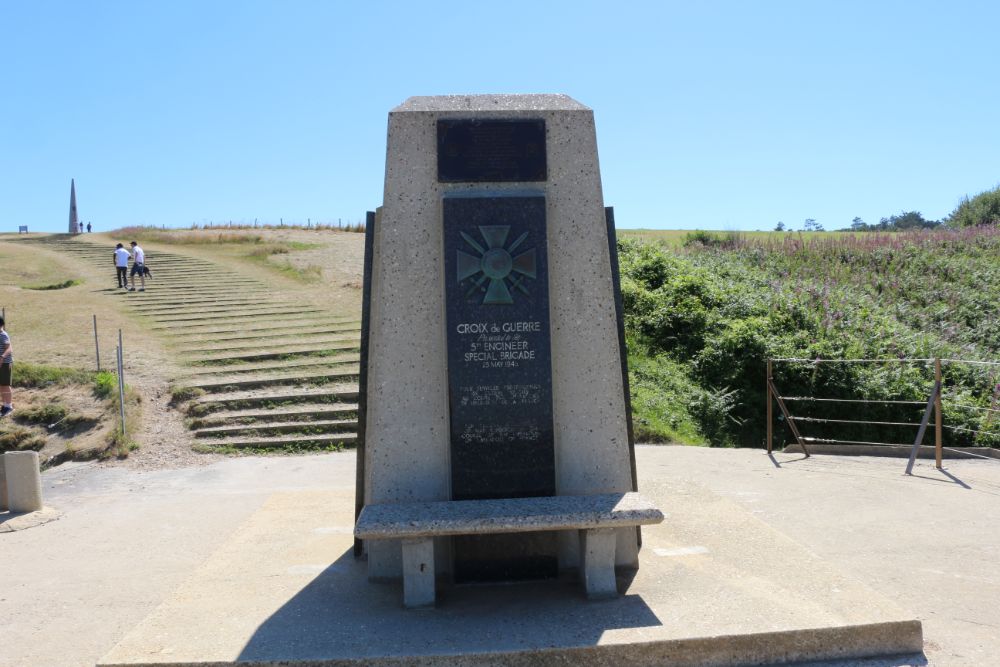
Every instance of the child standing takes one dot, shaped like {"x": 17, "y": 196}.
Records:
{"x": 6, "y": 370}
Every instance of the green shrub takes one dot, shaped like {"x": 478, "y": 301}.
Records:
{"x": 712, "y": 239}
{"x": 265, "y": 251}
{"x": 983, "y": 209}
{"x": 122, "y": 441}
{"x": 182, "y": 394}
{"x": 703, "y": 320}
{"x": 30, "y": 375}
{"x": 105, "y": 384}
{"x": 661, "y": 393}
{"x": 49, "y": 413}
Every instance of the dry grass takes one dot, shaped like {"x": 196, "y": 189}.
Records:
{"x": 186, "y": 237}
{"x": 313, "y": 266}
{"x": 61, "y": 421}
{"x": 26, "y": 269}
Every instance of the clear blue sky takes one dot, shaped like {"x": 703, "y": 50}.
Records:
{"x": 714, "y": 115}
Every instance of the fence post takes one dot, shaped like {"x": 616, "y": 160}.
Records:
{"x": 788, "y": 417}
{"x": 938, "y": 416}
{"x": 97, "y": 346}
{"x": 935, "y": 395}
{"x": 770, "y": 414}
{"x": 121, "y": 386}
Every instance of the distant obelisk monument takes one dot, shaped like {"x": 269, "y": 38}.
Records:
{"x": 74, "y": 224}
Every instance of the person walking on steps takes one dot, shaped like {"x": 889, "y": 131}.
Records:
{"x": 121, "y": 265}
{"x": 138, "y": 262}
{"x": 6, "y": 370}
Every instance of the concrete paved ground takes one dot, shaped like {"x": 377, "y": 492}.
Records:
{"x": 931, "y": 542}
{"x": 71, "y": 589}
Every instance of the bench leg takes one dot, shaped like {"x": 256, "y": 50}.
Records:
{"x": 597, "y": 562}
{"x": 418, "y": 572}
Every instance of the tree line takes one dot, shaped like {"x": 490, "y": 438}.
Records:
{"x": 983, "y": 209}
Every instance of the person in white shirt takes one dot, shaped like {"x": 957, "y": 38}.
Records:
{"x": 121, "y": 265}
{"x": 6, "y": 370}
{"x": 138, "y": 260}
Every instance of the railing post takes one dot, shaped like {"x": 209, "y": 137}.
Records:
{"x": 770, "y": 408}
{"x": 935, "y": 395}
{"x": 97, "y": 346}
{"x": 938, "y": 416}
{"x": 788, "y": 417}
{"x": 121, "y": 357}
{"x": 121, "y": 386}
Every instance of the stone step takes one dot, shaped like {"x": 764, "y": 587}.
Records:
{"x": 272, "y": 400}
{"x": 247, "y": 314}
{"x": 258, "y": 334}
{"x": 285, "y": 442}
{"x": 157, "y": 292}
{"x": 287, "y": 353}
{"x": 307, "y": 428}
{"x": 195, "y": 308}
{"x": 318, "y": 340}
{"x": 218, "y": 286}
{"x": 233, "y": 384}
{"x": 181, "y": 303}
{"x": 250, "y": 300}
{"x": 213, "y": 327}
{"x": 201, "y": 302}
{"x": 185, "y": 269}
{"x": 203, "y": 289}
{"x": 180, "y": 270}
{"x": 168, "y": 291}
{"x": 205, "y": 309}
{"x": 334, "y": 361}
{"x": 289, "y": 324}
{"x": 301, "y": 412}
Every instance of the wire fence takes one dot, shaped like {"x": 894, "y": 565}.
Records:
{"x": 959, "y": 399}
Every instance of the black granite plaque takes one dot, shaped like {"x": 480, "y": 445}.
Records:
{"x": 478, "y": 151}
{"x": 499, "y": 374}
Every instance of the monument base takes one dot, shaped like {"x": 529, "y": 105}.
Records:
{"x": 716, "y": 586}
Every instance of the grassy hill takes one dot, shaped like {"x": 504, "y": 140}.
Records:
{"x": 703, "y": 316}
{"x": 246, "y": 339}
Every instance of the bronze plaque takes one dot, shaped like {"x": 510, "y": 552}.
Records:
{"x": 483, "y": 151}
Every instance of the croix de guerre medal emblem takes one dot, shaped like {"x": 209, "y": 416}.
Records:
{"x": 502, "y": 271}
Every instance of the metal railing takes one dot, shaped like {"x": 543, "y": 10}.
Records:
{"x": 932, "y": 409}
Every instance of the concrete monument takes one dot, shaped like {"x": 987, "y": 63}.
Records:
{"x": 492, "y": 357}
{"x": 23, "y": 492}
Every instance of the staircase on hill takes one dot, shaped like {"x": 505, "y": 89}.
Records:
{"x": 261, "y": 373}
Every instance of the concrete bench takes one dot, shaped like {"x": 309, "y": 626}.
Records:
{"x": 417, "y": 524}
